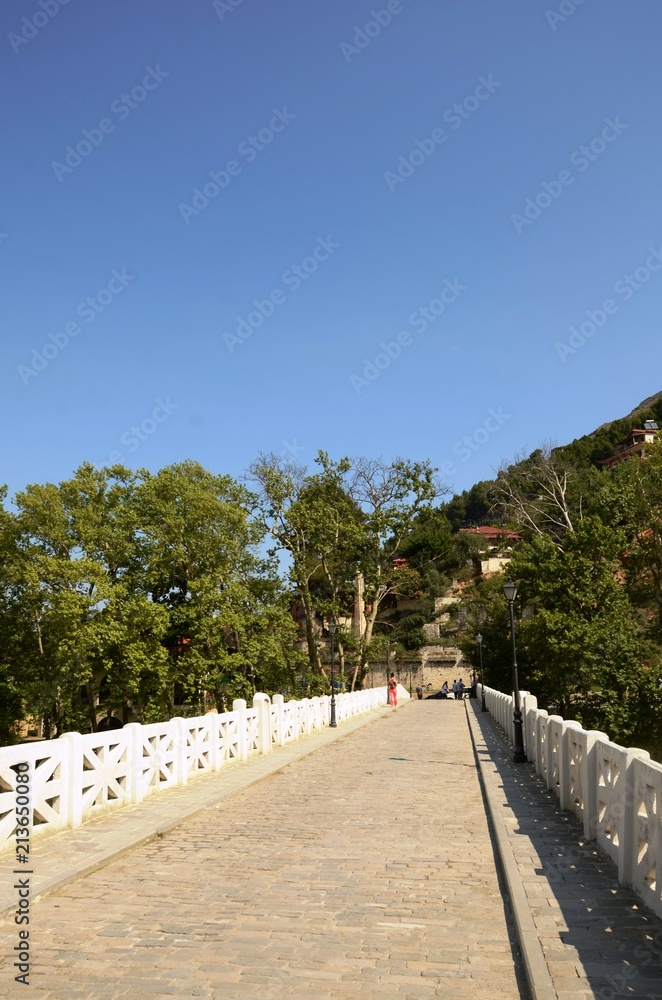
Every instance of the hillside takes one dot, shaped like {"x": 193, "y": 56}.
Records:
{"x": 473, "y": 507}
{"x": 589, "y": 449}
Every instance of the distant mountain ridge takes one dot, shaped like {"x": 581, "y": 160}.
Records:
{"x": 473, "y": 506}
{"x": 648, "y": 402}
{"x": 600, "y": 443}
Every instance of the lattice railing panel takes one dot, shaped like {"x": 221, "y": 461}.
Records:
{"x": 199, "y": 748}
{"x": 647, "y": 871}
{"x": 105, "y": 777}
{"x": 252, "y": 734}
{"x": 228, "y": 733}
{"x": 157, "y": 768}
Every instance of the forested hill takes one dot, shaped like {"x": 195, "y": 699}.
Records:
{"x": 473, "y": 506}
{"x": 589, "y": 449}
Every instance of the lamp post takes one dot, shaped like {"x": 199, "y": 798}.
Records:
{"x": 332, "y": 633}
{"x": 388, "y": 656}
{"x": 479, "y": 640}
{"x": 519, "y": 757}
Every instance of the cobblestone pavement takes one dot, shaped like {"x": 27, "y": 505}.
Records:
{"x": 599, "y": 941}
{"x": 364, "y": 869}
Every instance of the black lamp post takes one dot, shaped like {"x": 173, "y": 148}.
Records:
{"x": 479, "y": 640}
{"x": 388, "y": 656}
{"x": 332, "y": 632}
{"x": 519, "y": 757}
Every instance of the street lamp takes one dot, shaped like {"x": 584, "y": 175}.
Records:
{"x": 388, "y": 655}
{"x": 332, "y": 633}
{"x": 479, "y": 640}
{"x": 519, "y": 757}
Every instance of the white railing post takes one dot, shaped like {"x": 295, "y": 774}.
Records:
{"x": 134, "y": 752}
{"x": 628, "y": 854}
{"x": 529, "y": 713}
{"x": 239, "y": 708}
{"x": 554, "y": 732}
{"x": 541, "y": 742}
{"x": 307, "y": 723}
{"x": 590, "y": 783}
{"x": 278, "y": 702}
{"x": 216, "y": 755}
{"x": 71, "y": 782}
{"x": 178, "y": 728}
{"x": 565, "y": 782}
{"x": 262, "y": 703}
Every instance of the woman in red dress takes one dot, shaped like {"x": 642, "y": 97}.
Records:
{"x": 392, "y": 691}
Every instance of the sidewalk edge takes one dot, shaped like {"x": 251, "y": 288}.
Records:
{"x": 537, "y": 972}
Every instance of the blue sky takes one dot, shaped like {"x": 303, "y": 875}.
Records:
{"x": 357, "y": 271}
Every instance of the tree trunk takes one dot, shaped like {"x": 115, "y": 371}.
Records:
{"x": 313, "y": 649}
{"x": 341, "y": 663}
{"x": 89, "y": 696}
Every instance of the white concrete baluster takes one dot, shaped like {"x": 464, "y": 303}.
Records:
{"x": 215, "y": 754}
{"x": 178, "y": 728}
{"x": 565, "y": 777}
{"x": 262, "y": 703}
{"x": 239, "y": 709}
{"x": 72, "y": 778}
{"x": 134, "y": 751}
{"x": 628, "y": 855}
{"x": 279, "y": 702}
{"x": 590, "y": 783}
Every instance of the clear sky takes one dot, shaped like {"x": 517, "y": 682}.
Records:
{"x": 364, "y": 227}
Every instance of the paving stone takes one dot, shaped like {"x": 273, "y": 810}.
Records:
{"x": 358, "y": 869}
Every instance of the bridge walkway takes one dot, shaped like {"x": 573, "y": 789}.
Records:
{"x": 364, "y": 868}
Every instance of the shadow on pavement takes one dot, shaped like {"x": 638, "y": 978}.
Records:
{"x": 596, "y": 935}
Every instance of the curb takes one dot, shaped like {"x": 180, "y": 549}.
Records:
{"x": 537, "y": 972}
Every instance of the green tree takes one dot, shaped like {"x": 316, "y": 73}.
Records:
{"x": 584, "y": 639}
{"x": 391, "y": 496}
{"x": 314, "y": 520}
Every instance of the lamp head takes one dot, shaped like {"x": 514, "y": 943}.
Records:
{"x": 479, "y": 639}
{"x": 510, "y": 590}
{"x": 332, "y": 628}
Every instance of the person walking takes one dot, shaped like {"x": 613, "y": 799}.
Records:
{"x": 444, "y": 690}
{"x": 392, "y": 691}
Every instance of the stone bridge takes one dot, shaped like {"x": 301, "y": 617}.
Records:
{"x": 263, "y": 854}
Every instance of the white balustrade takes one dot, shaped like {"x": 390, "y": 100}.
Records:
{"x": 77, "y": 777}
{"x": 615, "y": 792}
